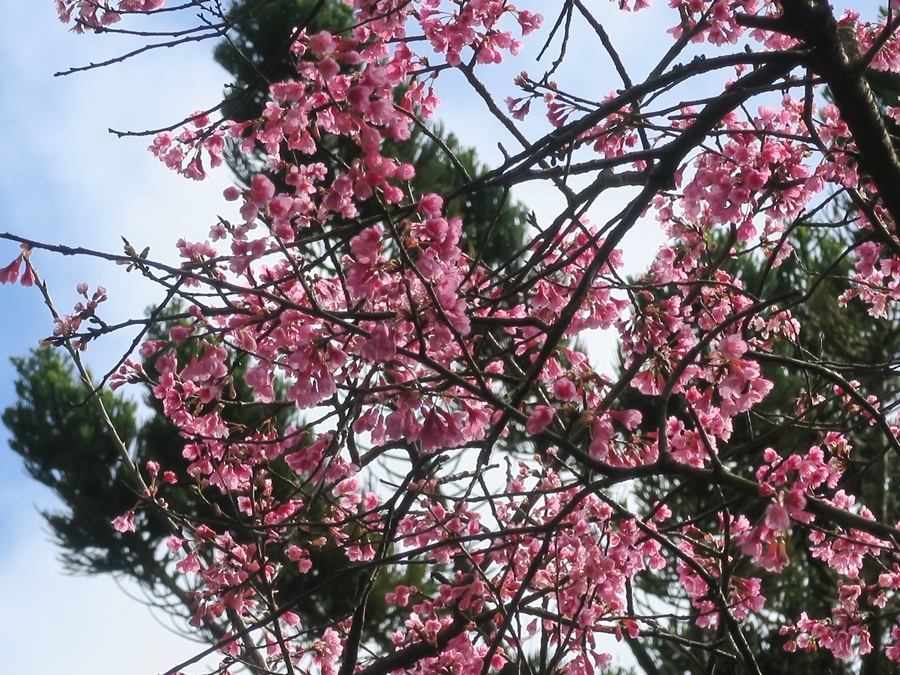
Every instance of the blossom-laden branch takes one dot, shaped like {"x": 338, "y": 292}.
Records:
{"x": 420, "y": 370}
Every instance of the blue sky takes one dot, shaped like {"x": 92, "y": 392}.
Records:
{"x": 64, "y": 179}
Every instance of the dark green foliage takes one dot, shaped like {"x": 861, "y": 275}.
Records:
{"x": 66, "y": 447}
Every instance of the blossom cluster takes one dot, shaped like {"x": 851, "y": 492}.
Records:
{"x": 13, "y": 273}
{"x": 95, "y": 14}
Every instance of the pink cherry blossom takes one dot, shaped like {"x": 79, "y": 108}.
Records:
{"x": 10, "y": 273}
{"x": 125, "y": 522}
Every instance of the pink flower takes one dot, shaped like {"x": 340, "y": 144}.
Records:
{"x": 400, "y": 596}
{"x": 540, "y": 419}
{"x": 436, "y": 432}
{"x": 125, "y": 522}
{"x": 777, "y": 517}
{"x": 261, "y": 190}
{"x": 431, "y": 205}
{"x": 564, "y": 390}
{"x": 732, "y": 347}
{"x": 529, "y": 22}
{"x": 522, "y": 111}
{"x": 322, "y": 43}
{"x": 150, "y": 347}
{"x": 380, "y": 348}
{"x": 231, "y": 194}
{"x": 10, "y": 273}
{"x": 180, "y": 333}
{"x": 28, "y": 277}
{"x": 141, "y": 5}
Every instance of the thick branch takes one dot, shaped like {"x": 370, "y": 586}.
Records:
{"x": 834, "y": 54}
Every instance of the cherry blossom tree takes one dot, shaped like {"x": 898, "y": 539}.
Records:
{"x": 451, "y": 421}
{"x": 69, "y": 452}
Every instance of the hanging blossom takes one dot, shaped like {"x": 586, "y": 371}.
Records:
{"x": 13, "y": 272}
{"x": 95, "y": 14}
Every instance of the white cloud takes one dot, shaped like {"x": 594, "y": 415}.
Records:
{"x": 63, "y": 179}
{"x": 54, "y": 623}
